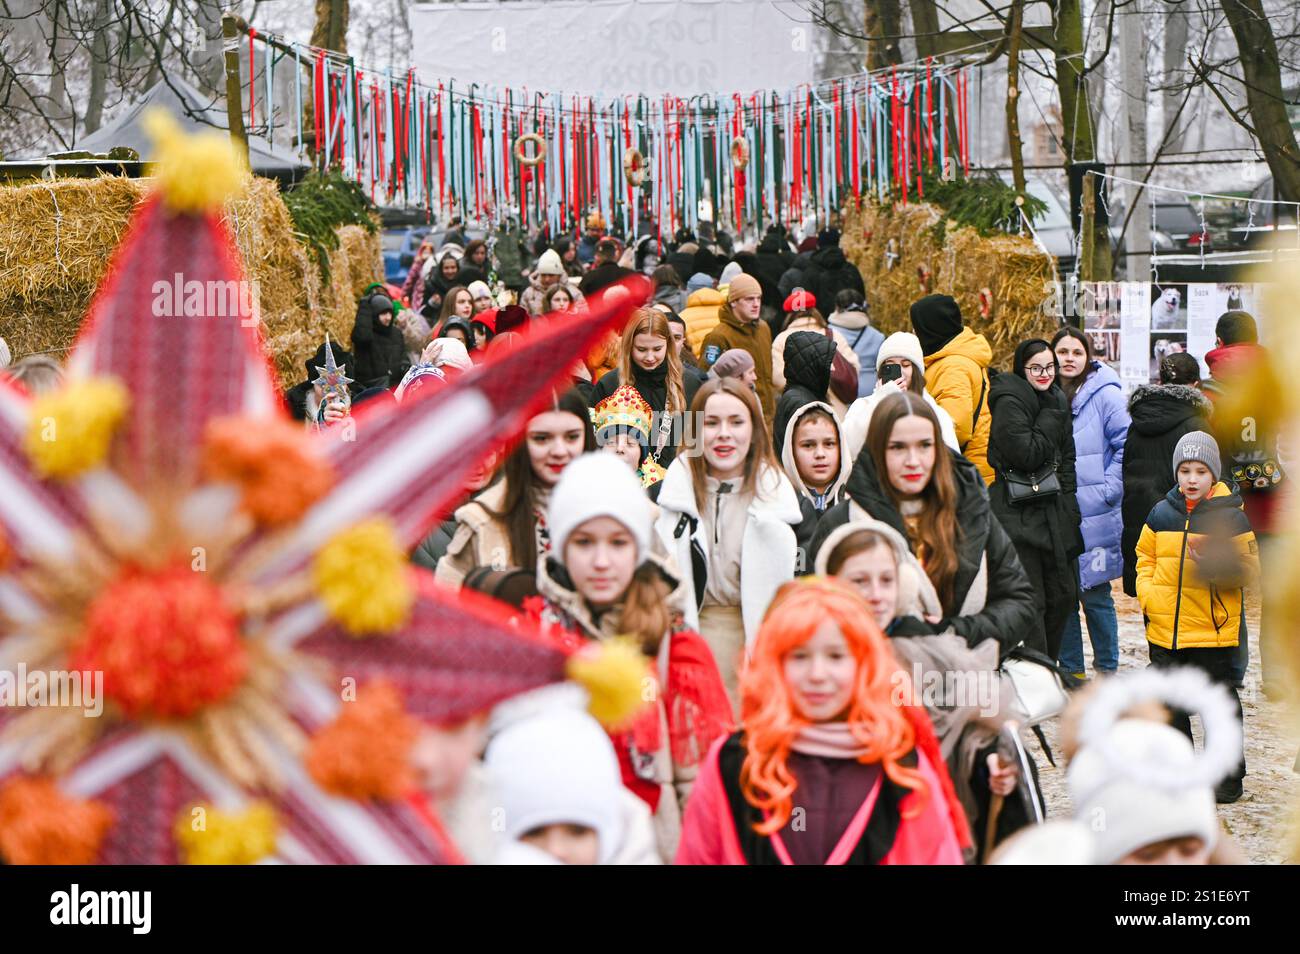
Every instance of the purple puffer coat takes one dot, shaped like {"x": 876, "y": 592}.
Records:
{"x": 1100, "y": 427}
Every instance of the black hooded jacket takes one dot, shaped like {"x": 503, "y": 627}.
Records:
{"x": 827, "y": 274}
{"x": 379, "y": 349}
{"x": 770, "y": 262}
{"x": 1009, "y": 609}
{"x": 808, "y": 359}
{"x": 1161, "y": 414}
{"x": 653, "y": 386}
{"x": 1030, "y": 429}
{"x": 793, "y": 277}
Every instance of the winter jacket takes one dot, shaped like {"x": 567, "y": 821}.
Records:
{"x": 810, "y": 355}
{"x": 606, "y": 273}
{"x": 1187, "y": 604}
{"x": 770, "y": 262}
{"x": 660, "y": 753}
{"x": 793, "y": 277}
{"x": 992, "y": 596}
{"x": 653, "y": 386}
{"x": 855, "y": 329}
{"x": 767, "y": 557}
{"x": 754, "y": 337}
{"x": 1100, "y": 428}
{"x": 778, "y": 355}
{"x": 701, "y": 317}
{"x": 1032, "y": 429}
{"x": 957, "y": 376}
{"x": 672, "y": 296}
{"x": 435, "y": 290}
{"x": 813, "y": 505}
{"x": 510, "y": 255}
{"x": 882, "y": 829}
{"x": 828, "y": 273}
{"x": 1161, "y": 414}
{"x": 857, "y": 420}
{"x": 587, "y": 249}
{"x": 413, "y": 287}
{"x": 480, "y": 538}
{"x": 432, "y": 548}
{"x": 1227, "y": 365}
{"x": 378, "y": 349}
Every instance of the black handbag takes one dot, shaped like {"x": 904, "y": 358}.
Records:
{"x": 1025, "y": 488}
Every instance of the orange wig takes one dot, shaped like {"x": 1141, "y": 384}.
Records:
{"x": 771, "y": 720}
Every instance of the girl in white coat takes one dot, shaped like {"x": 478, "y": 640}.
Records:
{"x": 727, "y": 517}
{"x": 902, "y": 348}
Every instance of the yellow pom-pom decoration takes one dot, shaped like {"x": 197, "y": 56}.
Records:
{"x": 617, "y": 677}
{"x": 69, "y": 430}
{"x": 195, "y": 173}
{"x": 364, "y": 579}
{"x": 209, "y": 836}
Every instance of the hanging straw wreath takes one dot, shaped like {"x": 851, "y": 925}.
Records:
{"x": 539, "y": 149}
{"x": 739, "y": 152}
{"x": 634, "y": 167}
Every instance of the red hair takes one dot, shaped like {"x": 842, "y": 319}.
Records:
{"x": 771, "y": 721}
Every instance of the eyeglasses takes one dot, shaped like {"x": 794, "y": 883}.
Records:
{"x": 1040, "y": 370}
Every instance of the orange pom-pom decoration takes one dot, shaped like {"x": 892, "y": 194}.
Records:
{"x": 166, "y": 642}
{"x": 39, "y": 825}
{"x": 365, "y": 752}
{"x": 273, "y": 464}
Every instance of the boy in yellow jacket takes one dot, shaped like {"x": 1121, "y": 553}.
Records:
{"x": 1195, "y": 555}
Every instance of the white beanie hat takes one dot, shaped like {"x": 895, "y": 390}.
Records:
{"x": 549, "y": 263}
{"x": 901, "y": 344}
{"x": 598, "y": 485}
{"x": 555, "y": 768}
{"x": 452, "y": 355}
{"x": 731, "y": 271}
{"x": 1127, "y": 811}
{"x": 479, "y": 290}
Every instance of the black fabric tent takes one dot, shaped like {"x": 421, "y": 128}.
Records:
{"x": 195, "y": 110}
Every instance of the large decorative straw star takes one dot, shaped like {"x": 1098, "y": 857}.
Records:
{"x": 238, "y": 579}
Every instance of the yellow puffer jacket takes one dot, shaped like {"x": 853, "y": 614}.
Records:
{"x": 957, "y": 377}
{"x": 1184, "y": 608}
{"x": 701, "y": 316}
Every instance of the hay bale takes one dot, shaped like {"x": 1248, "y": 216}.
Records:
{"x": 1012, "y": 267}
{"x": 57, "y": 238}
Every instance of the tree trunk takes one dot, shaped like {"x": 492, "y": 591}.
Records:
{"x": 1133, "y": 59}
{"x": 331, "y": 29}
{"x": 1015, "y": 19}
{"x": 61, "y": 49}
{"x": 1175, "y": 57}
{"x": 1078, "y": 134}
{"x": 883, "y": 21}
{"x": 1263, "y": 78}
{"x": 98, "y": 69}
{"x": 925, "y": 20}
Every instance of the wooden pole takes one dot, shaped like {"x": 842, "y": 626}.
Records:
{"x": 1087, "y": 234}
{"x": 230, "y": 34}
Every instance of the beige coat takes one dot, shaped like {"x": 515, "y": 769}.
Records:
{"x": 480, "y": 538}
{"x": 778, "y": 357}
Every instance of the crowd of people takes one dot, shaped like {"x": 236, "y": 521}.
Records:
{"x": 794, "y": 517}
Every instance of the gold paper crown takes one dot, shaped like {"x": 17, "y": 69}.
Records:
{"x": 624, "y": 408}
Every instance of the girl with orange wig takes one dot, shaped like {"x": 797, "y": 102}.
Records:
{"x": 828, "y": 767}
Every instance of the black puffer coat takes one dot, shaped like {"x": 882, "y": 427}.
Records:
{"x": 793, "y": 277}
{"x": 1008, "y": 611}
{"x": 828, "y": 274}
{"x": 770, "y": 262}
{"x": 1030, "y": 429}
{"x": 379, "y": 349}
{"x": 1161, "y": 414}
{"x": 808, "y": 359}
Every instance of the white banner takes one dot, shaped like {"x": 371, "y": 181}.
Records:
{"x": 616, "y": 47}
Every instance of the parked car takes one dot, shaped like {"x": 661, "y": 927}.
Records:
{"x": 1053, "y": 226}
{"x": 400, "y": 245}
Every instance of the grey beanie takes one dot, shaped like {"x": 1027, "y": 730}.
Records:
{"x": 1199, "y": 446}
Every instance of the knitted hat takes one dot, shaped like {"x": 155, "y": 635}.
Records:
{"x": 743, "y": 286}
{"x": 549, "y": 263}
{"x": 1136, "y": 782}
{"x": 731, "y": 271}
{"x": 479, "y": 290}
{"x": 697, "y": 281}
{"x": 598, "y": 485}
{"x": 452, "y": 355}
{"x": 936, "y": 320}
{"x": 595, "y": 221}
{"x": 380, "y": 303}
{"x": 901, "y": 344}
{"x": 828, "y": 237}
{"x": 424, "y": 373}
{"x": 799, "y": 300}
{"x": 510, "y": 317}
{"x": 733, "y": 363}
{"x": 1199, "y": 446}
{"x": 558, "y": 767}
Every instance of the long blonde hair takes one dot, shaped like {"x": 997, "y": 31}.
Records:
{"x": 651, "y": 321}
